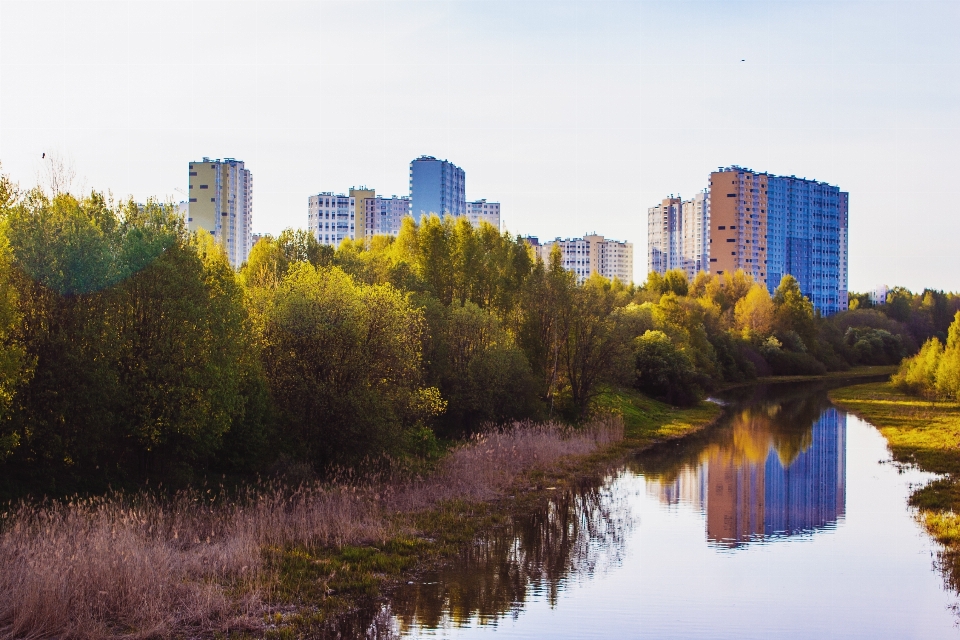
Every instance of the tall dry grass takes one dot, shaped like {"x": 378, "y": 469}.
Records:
{"x": 141, "y": 566}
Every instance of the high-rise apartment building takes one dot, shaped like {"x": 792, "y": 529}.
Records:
{"x": 383, "y": 216}
{"x": 678, "y": 233}
{"x": 436, "y": 186}
{"x": 360, "y": 197}
{"x": 785, "y": 225}
{"x": 738, "y": 223}
{"x": 331, "y": 218}
{"x": 766, "y": 225}
{"x": 483, "y": 211}
{"x": 221, "y": 203}
{"x": 592, "y": 254}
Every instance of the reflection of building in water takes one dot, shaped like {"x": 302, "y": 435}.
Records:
{"x": 749, "y": 491}
{"x": 810, "y": 493}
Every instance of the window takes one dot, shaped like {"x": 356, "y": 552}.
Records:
{"x": 721, "y": 227}
{"x": 731, "y": 239}
{"x": 193, "y": 199}
{"x": 193, "y": 173}
{"x": 203, "y": 186}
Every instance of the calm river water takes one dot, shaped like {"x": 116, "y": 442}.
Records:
{"x": 786, "y": 520}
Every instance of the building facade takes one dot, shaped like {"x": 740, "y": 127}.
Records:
{"x": 360, "y": 197}
{"x": 738, "y": 223}
{"x": 662, "y": 223}
{"x": 589, "y": 255}
{"x": 436, "y": 186}
{"x": 383, "y": 216}
{"x": 804, "y": 223}
{"x": 331, "y": 218}
{"x": 483, "y": 211}
{"x": 766, "y": 225}
{"x": 678, "y": 233}
{"x": 221, "y": 203}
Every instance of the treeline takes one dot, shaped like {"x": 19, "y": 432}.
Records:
{"x": 131, "y": 351}
{"x": 934, "y": 372}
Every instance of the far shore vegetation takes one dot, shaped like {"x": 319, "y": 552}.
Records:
{"x": 227, "y": 444}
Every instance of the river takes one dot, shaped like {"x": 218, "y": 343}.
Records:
{"x": 787, "y": 519}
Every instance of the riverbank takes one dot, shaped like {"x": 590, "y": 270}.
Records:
{"x": 435, "y": 535}
{"x": 856, "y": 372}
{"x": 925, "y": 434}
{"x": 290, "y": 562}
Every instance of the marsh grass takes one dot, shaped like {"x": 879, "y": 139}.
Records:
{"x": 201, "y": 563}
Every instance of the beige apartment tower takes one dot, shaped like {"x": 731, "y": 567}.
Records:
{"x": 360, "y": 196}
{"x": 221, "y": 203}
{"x": 738, "y": 223}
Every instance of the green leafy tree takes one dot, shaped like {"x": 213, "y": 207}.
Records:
{"x": 794, "y": 312}
{"x": 343, "y": 363}
{"x": 663, "y": 371}
{"x": 595, "y": 338}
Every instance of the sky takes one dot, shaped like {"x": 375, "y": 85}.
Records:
{"x": 575, "y": 116}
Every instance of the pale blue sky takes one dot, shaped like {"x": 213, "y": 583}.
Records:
{"x": 576, "y": 116}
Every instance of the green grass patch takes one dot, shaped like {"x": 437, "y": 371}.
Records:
{"x": 647, "y": 421}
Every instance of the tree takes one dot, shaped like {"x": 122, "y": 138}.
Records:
{"x": 481, "y": 373}
{"x": 595, "y": 338}
{"x": 755, "y": 311}
{"x": 664, "y": 371}
{"x": 547, "y": 296}
{"x": 270, "y": 258}
{"x": 343, "y": 363}
{"x": 794, "y": 312}
{"x": 135, "y": 333}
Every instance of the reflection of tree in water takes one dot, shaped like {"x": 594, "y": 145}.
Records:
{"x": 574, "y": 534}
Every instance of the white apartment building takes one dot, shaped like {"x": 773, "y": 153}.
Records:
{"x": 383, "y": 216}
{"x": 483, "y": 211}
{"x": 221, "y": 203}
{"x": 879, "y": 295}
{"x": 593, "y": 254}
{"x": 331, "y": 218}
{"x": 678, "y": 235}
{"x": 662, "y": 222}
{"x": 695, "y": 234}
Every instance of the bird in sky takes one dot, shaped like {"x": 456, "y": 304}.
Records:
{"x": 43, "y": 156}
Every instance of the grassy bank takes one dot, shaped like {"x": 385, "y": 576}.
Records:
{"x": 288, "y": 562}
{"x": 926, "y": 434}
{"x": 855, "y": 372}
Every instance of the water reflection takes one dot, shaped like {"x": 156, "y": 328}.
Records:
{"x": 576, "y": 534}
{"x": 776, "y": 467}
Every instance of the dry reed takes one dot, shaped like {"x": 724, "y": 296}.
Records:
{"x": 140, "y": 566}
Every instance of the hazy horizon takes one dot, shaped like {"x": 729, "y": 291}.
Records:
{"x": 575, "y": 116}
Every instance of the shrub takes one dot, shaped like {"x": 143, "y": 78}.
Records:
{"x": 664, "y": 371}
